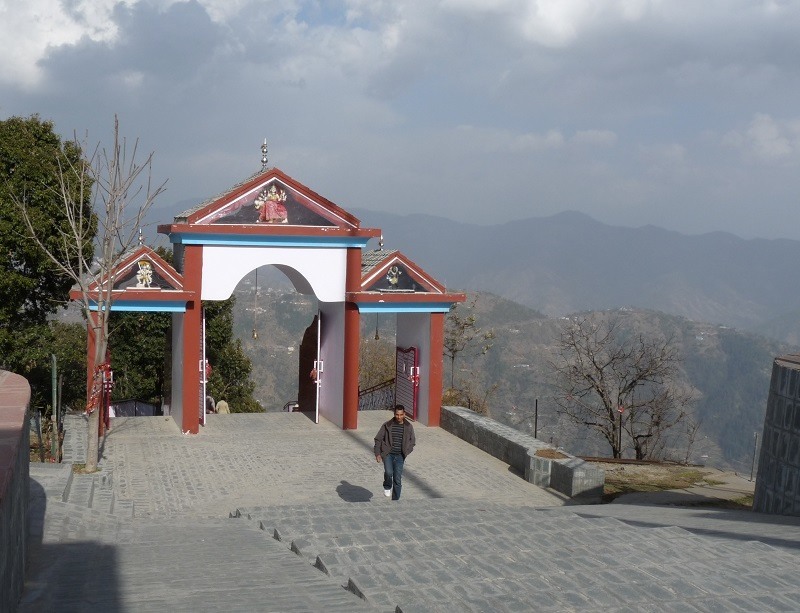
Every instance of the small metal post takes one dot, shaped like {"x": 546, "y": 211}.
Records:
{"x": 54, "y": 396}
{"x": 536, "y": 418}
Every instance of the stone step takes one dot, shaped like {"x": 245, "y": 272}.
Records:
{"x": 176, "y": 565}
{"x": 446, "y": 521}
{"x": 91, "y": 491}
{"x": 80, "y": 490}
{"x": 49, "y": 479}
{"x": 73, "y": 450}
{"x": 66, "y": 522}
{"x": 462, "y": 555}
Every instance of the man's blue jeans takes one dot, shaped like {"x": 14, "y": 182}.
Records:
{"x": 393, "y": 474}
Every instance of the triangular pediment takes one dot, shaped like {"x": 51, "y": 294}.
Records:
{"x": 269, "y": 199}
{"x": 392, "y": 271}
{"x": 144, "y": 270}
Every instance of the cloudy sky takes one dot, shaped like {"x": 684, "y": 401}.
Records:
{"x": 678, "y": 113}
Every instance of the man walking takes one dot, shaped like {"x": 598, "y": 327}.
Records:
{"x": 394, "y": 441}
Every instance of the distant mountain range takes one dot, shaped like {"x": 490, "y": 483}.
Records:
{"x": 570, "y": 262}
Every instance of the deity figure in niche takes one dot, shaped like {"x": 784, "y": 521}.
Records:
{"x": 393, "y": 276}
{"x": 270, "y": 206}
{"x": 144, "y": 276}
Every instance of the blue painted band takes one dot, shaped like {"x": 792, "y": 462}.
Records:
{"x": 404, "y": 307}
{"x": 149, "y": 306}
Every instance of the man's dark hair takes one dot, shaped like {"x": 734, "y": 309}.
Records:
{"x": 399, "y": 407}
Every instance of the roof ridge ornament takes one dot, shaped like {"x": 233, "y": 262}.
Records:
{"x": 264, "y": 155}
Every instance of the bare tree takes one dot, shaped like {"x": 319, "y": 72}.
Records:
{"x": 691, "y": 431}
{"x": 376, "y": 362}
{"x": 121, "y": 194}
{"x": 461, "y": 334}
{"x": 473, "y": 394}
{"x": 615, "y": 383}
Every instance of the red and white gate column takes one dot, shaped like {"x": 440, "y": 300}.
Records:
{"x": 192, "y": 338}
{"x": 435, "y": 369}
{"x": 352, "y": 334}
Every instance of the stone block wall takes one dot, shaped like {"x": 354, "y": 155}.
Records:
{"x": 570, "y": 476}
{"x": 15, "y": 395}
{"x": 778, "y": 480}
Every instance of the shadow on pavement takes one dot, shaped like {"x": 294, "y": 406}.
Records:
{"x": 353, "y": 493}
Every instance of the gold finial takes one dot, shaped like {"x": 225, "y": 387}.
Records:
{"x": 264, "y": 155}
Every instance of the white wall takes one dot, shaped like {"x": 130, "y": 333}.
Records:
{"x": 332, "y": 350}
{"x": 414, "y": 330}
{"x": 321, "y": 271}
{"x": 176, "y": 408}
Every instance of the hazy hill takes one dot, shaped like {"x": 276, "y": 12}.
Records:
{"x": 563, "y": 264}
{"x": 729, "y": 368}
{"x": 570, "y": 262}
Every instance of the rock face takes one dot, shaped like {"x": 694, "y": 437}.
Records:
{"x": 778, "y": 480}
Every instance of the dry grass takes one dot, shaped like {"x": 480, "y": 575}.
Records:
{"x": 626, "y": 478}
{"x": 80, "y": 469}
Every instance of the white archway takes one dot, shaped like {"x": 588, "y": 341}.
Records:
{"x": 318, "y": 271}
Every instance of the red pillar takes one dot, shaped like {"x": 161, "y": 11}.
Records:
{"x": 192, "y": 335}
{"x": 352, "y": 333}
{"x": 435, "y": 372}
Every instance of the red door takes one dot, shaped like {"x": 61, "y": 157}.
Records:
{"x": 406, "y": 388}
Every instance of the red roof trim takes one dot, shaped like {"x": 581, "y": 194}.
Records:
{"x": 405, "y": 297}
{"x": 328, "y": 209}
{"x": 414, "y": 270}
{"x": 173, "y": 277}
{"x": 266, "y": 230}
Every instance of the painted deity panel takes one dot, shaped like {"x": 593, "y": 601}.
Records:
{"x": 396, "y": 279}
{"x": 143, "y": 275}
{"x": 271, "y": 204}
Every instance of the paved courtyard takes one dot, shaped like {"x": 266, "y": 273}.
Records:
{"x": 275, "y": 513}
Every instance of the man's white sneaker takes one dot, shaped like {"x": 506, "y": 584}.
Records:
{"x": 387, "y": 493}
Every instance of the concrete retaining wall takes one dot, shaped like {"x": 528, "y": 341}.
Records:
{"x": 571, "y": 476}
{"x": 778, "y": 481}
{"x": 15, "y": 394}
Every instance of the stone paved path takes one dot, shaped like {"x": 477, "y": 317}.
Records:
{"x": 312, "y": 531}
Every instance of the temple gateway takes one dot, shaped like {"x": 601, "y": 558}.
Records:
{"x": 272, "y": 219}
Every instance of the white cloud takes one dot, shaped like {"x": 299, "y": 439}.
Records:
{"x": 28, "y": 29}
{"x": 612, "y": 107}
{"x": 767, "y": 140}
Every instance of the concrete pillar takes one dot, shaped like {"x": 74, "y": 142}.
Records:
{"x": 192, "y": 335}
{"x": 435, "y": 369}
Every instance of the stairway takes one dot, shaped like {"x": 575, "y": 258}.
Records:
{"x": 89, "y": 553}
{"x": 459, "y": 555}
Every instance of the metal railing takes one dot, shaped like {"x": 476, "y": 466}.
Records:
{"x": 377, "y": 397}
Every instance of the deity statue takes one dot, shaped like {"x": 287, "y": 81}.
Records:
{"x": 144, "y": 277}
{"x": 270, "y": 206}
